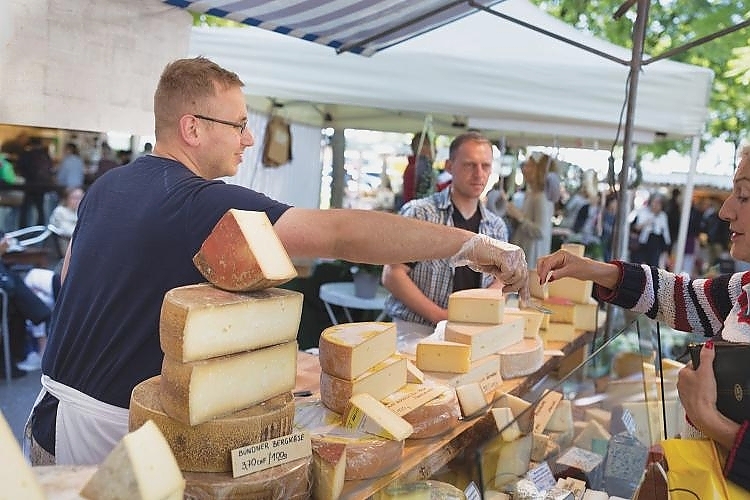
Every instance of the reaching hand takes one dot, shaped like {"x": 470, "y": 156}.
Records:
{"x": 505, "y": 261}
{"x": 561, "y": 264}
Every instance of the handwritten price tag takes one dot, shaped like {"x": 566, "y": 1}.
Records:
{"x": 277, "y": 451}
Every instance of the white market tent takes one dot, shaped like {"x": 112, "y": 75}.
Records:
{"x": 479, "y": 71}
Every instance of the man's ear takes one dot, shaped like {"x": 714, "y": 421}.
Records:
{"x": 188, "y": 130}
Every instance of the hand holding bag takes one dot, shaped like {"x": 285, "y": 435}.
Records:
{"x": 732, "y": 372}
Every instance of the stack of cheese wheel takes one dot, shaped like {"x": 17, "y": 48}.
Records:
{"x": 573, "y": 309}
{"x": 480, "y": 347}
{"x": 229, "y": 367}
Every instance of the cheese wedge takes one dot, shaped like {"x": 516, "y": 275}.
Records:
{"x": 533, "y": 320}
{"x": 381, "y": 380}
{"x": 140, "y": 467}
{"x": 348, "y": 350}
{"x": 433, "y": 418}
{"x": 413, "y": 374}
{"x": 196, "y": 392}
{"x": 486, "y": 371}
{"x": 572, "y": 289}
{"x": 521, "y": 409}
{"x": 472, "y": 399}
{"x": 16, "y": 476}
{"x": 202, "y": 321}
{"x": 476, "y": 305}
{"x": 506, "y": 424}
{"x": 243, "y": 253}
{"x": 365, "y": 413}
{"x": 581, "y": 316}
{"x": 329, "y": 470}
{"x": 443, "y": 356}
{"x": 485, "y": 339}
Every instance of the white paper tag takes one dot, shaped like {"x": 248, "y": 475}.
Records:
{"x": 472, "y": 492}
{"x": 277, "y": 451}
{"x": 629, "y": 421}
{"x": 542, "y": 477}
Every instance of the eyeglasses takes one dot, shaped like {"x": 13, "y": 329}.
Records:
{"x": 241, "y": 126}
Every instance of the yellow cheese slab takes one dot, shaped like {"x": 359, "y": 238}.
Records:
{"x": 476, "y": 305}
{"x": 367, "y": 414}
{"x": 207, "y": 447}
{"x": 581, "y": 316}
{"x": 348, "y": 350}
{"x": 572, "y": 289}
{"x": 243, "y": 253}
{"x": 381, "y": 380}
{"x": 201, "y": 321}
{"x": 485, "y": 339}
{"x": 560, "y": 332}
{"x": 486, "y": 371}
{"x": 533, "y": 320}
{"x": 443, "y": 356}
{"x": 196, "y": 392}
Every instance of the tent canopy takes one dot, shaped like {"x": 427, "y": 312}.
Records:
{"x": 479, "y": 71}
{"x": 358, "y": 26}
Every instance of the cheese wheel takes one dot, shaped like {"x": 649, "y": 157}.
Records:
{"x": 381, "y": 380}
{"x": 207, "y": 447}
{"x": 348, "y": 350}
{"x": 288, "y": 481}
{"x": 367, "y": 456}
{"x": 434, "y": 418}
{"x": 243, "y": 253}
{"x": 196, "y": 392}
{"x": 202, "y": 321}
{"x": 521, "y": 359}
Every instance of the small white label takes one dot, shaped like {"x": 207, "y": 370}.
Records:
{"x": 542, "y": 477}
{"x": 408, "y": 401}
{"x": 472, "y": 492}
{"x": 277, "y": 451}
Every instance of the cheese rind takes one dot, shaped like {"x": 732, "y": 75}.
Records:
{"x": 16, "y": 476}
{"x": 201, "y": 321}
{"x": 381, "y": 380}
{"x": 532, "y": 318}
{"x": 348, "y": 350}
{"x": 443, "y": 356}
{"x": 243, "y": 253}
{"x": 522, "y": 358}
{"x": 506, "y": 424}
{"x": 193, "y": 393}
{"x": 476, "y": 305}
{"x": 328, "y": 470}
{"x": 141, "y": 466}
{"x": 472, "y": 399}
{"x": 288, "y": 481}
{"x": 521, "y": 409}
{"x": 433, "y": 418}
{"x": 367, "y": 414}
{"x": 207, "y": 447}
{"x": 485, "y": 339}
{"x": 486, "y": 371}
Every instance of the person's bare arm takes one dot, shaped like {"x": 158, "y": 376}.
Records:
{"x": 396, "y": 280}
{"x": 366, "y": 236}
{"x": 564, "y": 264}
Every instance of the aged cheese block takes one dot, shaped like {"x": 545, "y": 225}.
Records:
{"x": 433, "y": 418}
{"x": 207, "y": 447}
{"x": 582, "y": 316}
{"x": 329, "y": 470}
{"x": 443, "y": 356}
{"x": 202, "y": 321}
{"x": 522, "y": 358}
{"x": 367, "y": 456}
{"x": 506, "y": 424}
{"x": 193, "y": 393}
{"x": 562, "y": 418}
{"x": 140, "y": 467}
{"x": 16, "y": 476}
{"x": 521, "y": 408}
{"x": 288, "y": 481}
{"x": 365, "y": 413}
{"x": 476, "y": 305}
{"x": 571, "y": 289}
{"x": 472, "y": 399}
{"x": 243, "y": 253}
{"x": 485, "y": 339}
{"x": 533, "y": 320}
{"x": 486, "y": 371}
{"x": 560, "y": 332}
{"x": 381, "y": 380}
{"x": 349, "y": 350}
{"x": 504, "y": 462}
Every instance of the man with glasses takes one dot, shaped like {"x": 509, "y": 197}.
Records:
{"x": 138, "y": 229}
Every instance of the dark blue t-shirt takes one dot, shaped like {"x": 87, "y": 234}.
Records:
{"x": 138, "y": 229}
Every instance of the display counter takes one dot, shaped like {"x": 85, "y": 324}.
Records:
{"x": 422, "y": 458}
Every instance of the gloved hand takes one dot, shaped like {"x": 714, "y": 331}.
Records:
{"x": 505, "y": 261}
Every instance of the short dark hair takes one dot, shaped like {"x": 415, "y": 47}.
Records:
{"x": 471, "y": 136}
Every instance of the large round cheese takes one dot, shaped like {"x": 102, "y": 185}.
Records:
{"x": 522, "y": 358}
{"x": 350, "y": 349}
{"x": 433, "y": 418}
{"x": 288, "y": 481}
{"x": 367, "y": 456}
{"x": 206, "y": 447}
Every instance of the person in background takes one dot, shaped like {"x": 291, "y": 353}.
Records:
{"x": 652, "y": 226}
{"x": 108, "y": 160}
{"x": 65, "y": 217}
{"x": 35, "y": 166}
{"x": 608, "y": 219}
{"x": 418, "y": 178}
{"x": 139, "y": 227}
{"x": 716, "y": 308}
{"x": 533, "y": 230}
{"x": 71, "y": 168}
{"x": 420, "y": 290}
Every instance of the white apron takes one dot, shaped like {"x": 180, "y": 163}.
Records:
{"x": 86, "y": 428}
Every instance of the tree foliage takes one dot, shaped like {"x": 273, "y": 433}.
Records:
{"x": 673, "y": 23}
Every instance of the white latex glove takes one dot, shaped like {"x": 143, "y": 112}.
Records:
{"x": 505, "y": 261}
